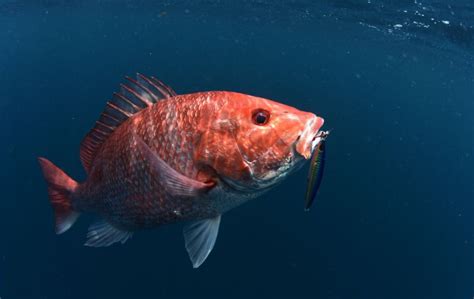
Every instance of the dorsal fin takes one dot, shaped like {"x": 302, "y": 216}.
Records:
{"x": 139, "y": 94}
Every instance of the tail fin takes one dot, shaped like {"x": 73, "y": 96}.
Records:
{"x": 60, "y": 188}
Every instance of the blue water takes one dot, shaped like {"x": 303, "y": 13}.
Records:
{"x": 394, "y": 81}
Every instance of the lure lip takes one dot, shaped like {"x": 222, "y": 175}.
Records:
{"x": 320, "y": 136}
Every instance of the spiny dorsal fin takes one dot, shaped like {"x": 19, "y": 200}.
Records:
{"x": 139, "y": 94}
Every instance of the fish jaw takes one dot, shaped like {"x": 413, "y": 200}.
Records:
{"x": 308, "y": 139}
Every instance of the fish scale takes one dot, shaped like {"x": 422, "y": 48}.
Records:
{"x": 116, "y": 146}
{"x": 155, "y": 158}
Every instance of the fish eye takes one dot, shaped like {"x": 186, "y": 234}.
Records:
{"x": 260, "y": 117}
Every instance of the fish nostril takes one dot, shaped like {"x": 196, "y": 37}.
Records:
{"x": 298, "y": 138}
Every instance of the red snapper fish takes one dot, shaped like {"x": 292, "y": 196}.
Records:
{"x": 155, "y": 157}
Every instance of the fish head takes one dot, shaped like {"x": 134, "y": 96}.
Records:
{"x": 253, "y": 143}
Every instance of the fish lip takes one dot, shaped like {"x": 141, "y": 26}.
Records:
{"x": 305, "y": 143}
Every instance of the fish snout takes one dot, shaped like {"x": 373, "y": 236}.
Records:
{"x": 307, "y": 141}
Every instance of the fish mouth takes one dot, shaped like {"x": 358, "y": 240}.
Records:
{"x": 308, "y": 139}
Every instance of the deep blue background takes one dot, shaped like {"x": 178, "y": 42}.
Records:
{"x": 394, "y": 218}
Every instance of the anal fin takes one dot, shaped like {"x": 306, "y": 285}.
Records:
{"x": 102, "y": 234}
{"x": 200, "y": 237}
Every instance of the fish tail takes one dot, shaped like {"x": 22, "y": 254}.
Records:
{"x": 60, "y": 189}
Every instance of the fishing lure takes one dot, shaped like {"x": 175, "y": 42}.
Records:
{"x": 316, "y": 169}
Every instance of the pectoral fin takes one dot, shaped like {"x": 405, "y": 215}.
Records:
{"x": 200, "y": 237}
{"x": 172, "y": 181}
